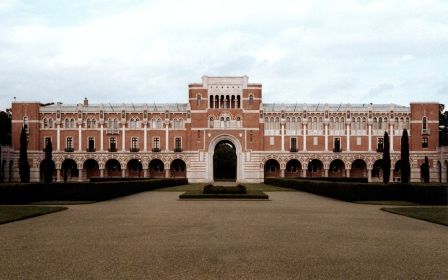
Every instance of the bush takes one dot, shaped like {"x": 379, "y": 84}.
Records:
{"x": 210, "y": 189}
{"x": 436, "y": 194}
{"x": 79, "y": 191}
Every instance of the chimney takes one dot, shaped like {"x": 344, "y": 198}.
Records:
{"x": 86, "y": 101}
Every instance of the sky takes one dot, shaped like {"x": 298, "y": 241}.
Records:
{"x": 129, "y": 51}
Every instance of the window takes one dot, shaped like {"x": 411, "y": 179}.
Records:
{"x": 156, "y": 144}
{"x": 424, "y": 123}
{"x": 251, "y": 136}
{"x": 134, "y": 123}
{"x": 134, "y": 144}
{"x": 425, "y": 142}
{"x": 211, "y": 123}
{"x": 315, "y": 141}
{"x": 45, "y": 123}
{"x": 69, "y": 144}
{"x": 112, "y": 144}
{"x": 89, "y": 123}
{"x": 91, "y": 143}
{"x": 227, "y": 122}
{"x": 198, "y": 99}
{"x": 67, "y": 123}
{"x": 238, "y": 122}
{"x": 251, "y": 99}
{"x": 271, "y": 140}
{"x": 113, "y": 124}
{"x": 178, "y": 144}
{"x": 380, "y": 145}
{"x": 337, "y": 145}
{"x": 46, "y": 140}
{"x": 293, "y": 144}
{"x": 358, "y": 141}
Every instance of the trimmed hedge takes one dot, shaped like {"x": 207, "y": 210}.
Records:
{"x": 333, "y": 179}
{"x": 433, "y": 194}
{"x": 210, "y": 189}
{"x": 79, "y": 191}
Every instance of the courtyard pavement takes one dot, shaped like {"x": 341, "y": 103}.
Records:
{"x": 152, "y": 235}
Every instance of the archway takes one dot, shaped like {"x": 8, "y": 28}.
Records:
{"x": 271, "y": 169}
{"x": 113, "y": 168}
{"x": 224, "y": 161}
{"x": 42, "y": 170}
{"x": 377, "y": 170}
{"x": 91, "y": 168}
{"x": 397, "y": 171}
{"x": 293, "y": 168}
{"x": 178, "y": 169}
{"x": 134, "y": 168}
{"x": 337, "y": 168}
{"x": 315, "y": 168}
{"x": 359, "y": 169}
{"x": 69, "y": 170}
{"x": 156, "y": 169}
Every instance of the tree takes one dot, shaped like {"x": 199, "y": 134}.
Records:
{"x": 443, "y": 126}
{"x": 48, "y": 163}
{"x": 386, "y": 159}
{"x": 24, "y": 166}
{"x": 5, "y": 127}
{"x": 405, "y": 165}
{"x": 425, "y": 170}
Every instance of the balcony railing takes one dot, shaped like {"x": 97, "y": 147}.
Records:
{"x": 337, "y": 150}
{"x": 293, "y": 150}
{"x": 90, "y": 150}
{"x": 135, "y": 150}
{"x": 69, "y": 150}
{"x": 113, "y": 131}
{"x": 177, "y": 150}
{"x": 155, "y": 150}
{"x": 112, "y": 149}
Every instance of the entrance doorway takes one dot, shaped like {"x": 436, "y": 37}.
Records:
{"x": 224, "y": 161}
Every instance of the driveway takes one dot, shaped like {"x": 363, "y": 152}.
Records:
{"x": 152, "y": 235}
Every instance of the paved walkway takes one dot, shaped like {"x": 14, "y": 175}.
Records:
{"x": 154, "y": 236}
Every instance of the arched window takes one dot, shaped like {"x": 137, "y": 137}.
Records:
{"x": 72, "y": 123}
{"x": 198, "y": 99}
{"x": 45, "y": 123}
{"x": 211, "y": 101}
{"x": 251, "y": 99}
{"x": 93, "y": 123}
{"x": 50, "y": 123}
{"x": 238, "y": 121}
{"x": 181, "y": 123}
{"x": 227, "y": 122}
{"x": 424, "y": 123}
{"x": 222, "y": 122}
{"x": 88, "y": 123}
{"x": 66, "y": 123}
{"x": 211, "y": 122}
{"x": 159, "y": 123}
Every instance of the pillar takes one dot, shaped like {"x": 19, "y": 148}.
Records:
{"x": 369, "y": 175}
{"x": 58, "y": 174}
{"x": 167, "y": 173}
{"x": 370, "y": 137}
{"x": 123, "y": 138}
{"x": 391, "y": 137}
{"x": 80, "y": 137}
{"x": 304, "y": 173}
{"x": 166, "y": 137}
{"x": 145, "y": 172}
{"x": 101, "y": 138}
{"x": 102, "y": 172}
{"x": 123, "y": 173}
{"x": 282, "y": 173}
{"x": 326, "y": 137}
{"x": 58, "y": 138}
{"x": 282, "y": 126}
{"x": 80, "y": 174}
{"x": 347, "y": 173}
{"x": 304, "y": 137}
{"x": 145, "y": 137}
{"x": 348, "y": 137}
{"x": 326, "y": 172}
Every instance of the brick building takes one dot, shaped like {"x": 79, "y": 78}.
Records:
{"x": 225, "y": 126}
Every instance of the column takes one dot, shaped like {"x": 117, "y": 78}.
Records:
{"x": 123, "y": 173}
{"x": 304, "y": 137}
{"x": 102, "y": 172}
{"x": 282, "y": 126}
{"x": 167, "y": 173}
{"x": 58, "y": 174}
{"x": 80, "y": 138}
{"x": 282, "y": 172}
{"x": 58, "y": 138}
{"x": 166, "y": 137}
{"x": 370, "y": 137}
{"x": 101, "y": 138}
{"x": 326, "y": 172}
{"x": 348, "y": 137}
{"x": 304, "y": 173}
{"x": 145, "y": 172}
{"x": 391, "y": 137}
{"x": 347, "y": 173}
{"x": 145, "y": 137}
{"x": 123, "y": 138}
{"x": 369, "y": 175}
{"x": 326, "y": 137}
{"x": 80, "y": 174}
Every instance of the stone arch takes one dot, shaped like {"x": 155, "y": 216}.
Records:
{"x": 134, "y": 168}
{"x": 358, "y": 169}
{"x": 178, "y": 168}
{"x": 91, "y": 168}
{"x": 69, "y": 169}
{"x": 238, "y": 150}
{"x": 397, "y": 171}
{"x": 337, "y": 168}
{"x": 293, "y": 168}
{"x": 42, "y": 170}
{"x": 156, "y": 168}
{"x": 112, "y": 168}
{"x": 315, "y": 168}
{"x": 271, "y": 169}
{"x": 377, "y": 170}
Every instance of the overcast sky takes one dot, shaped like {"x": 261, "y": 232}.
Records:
{"x": 357, "y": 51}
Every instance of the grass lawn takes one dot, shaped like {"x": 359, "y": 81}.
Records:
{"x": 250, "y": 187}
{"x": 15, "y": 213}
{"x": 437, "y": 214}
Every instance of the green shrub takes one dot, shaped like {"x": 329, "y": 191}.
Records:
{"x": 210, "y": 189}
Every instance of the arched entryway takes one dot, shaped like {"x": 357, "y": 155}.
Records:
{"x": 42, "y": 169}
{"x": 315, "y": 168}
{"x": 397, "y": 172}
{"x": 224, "y": 161}
{"x": 377, "y": 171}
{"x": 113, "y": 168}
{"x": 337, "y": 168}
{"x": 91, "y": 168}
{"x": 293, "y": 168}
{"x": 135, "y": 168}
{"x": 69, "y": 170}
{"x": 271, "y": 169}
{"x": 178, "y": 169}
{"x": 156, "y": 169}
{"x": 359, "y": 169}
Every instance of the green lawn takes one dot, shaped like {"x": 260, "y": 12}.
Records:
{"x": 15, "y": 213}
{"x": 250, "y": 187}
{"x": 437, "y": 214}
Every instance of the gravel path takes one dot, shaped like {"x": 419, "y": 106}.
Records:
{"x": 152, "y": 235}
